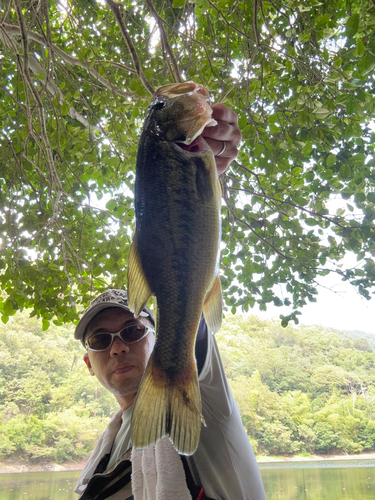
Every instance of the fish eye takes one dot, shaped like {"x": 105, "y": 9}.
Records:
{"x": 159, "y": 105}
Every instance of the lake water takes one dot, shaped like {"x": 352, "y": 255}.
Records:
{"x": 321, "y": 480}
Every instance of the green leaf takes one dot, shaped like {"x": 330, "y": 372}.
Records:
{"x": 322, "y": 20}
{"x": 111, "y": 204}
{"x": 366, "y": 64}
{"x": 296, "y": 171}
{"x": 8, "y": 307}
{"x": 284, "y": 322}
{"x": 331, "y": 160}
{"x": 327, "y": 174}
{"x": 322, "y": 113}
{"x": 258, "y": 150}
{"x": 305, "y": 36}
{"x": 298, "y": 109}
{"x": 310, "y": 221}
{"x": 96, "y": 98}
{"x": 352, "y": 25}
{"x": 4, "y": 318}
{"x": 360, "y": 48}
{"x": 65, "y": 108}
{"x": 345, "y": 171}
{"x": 350, "y": 107}
{"x": 325, "y": 272}
{"x": 328, "y": 32}
{"x": 307, "y": 148}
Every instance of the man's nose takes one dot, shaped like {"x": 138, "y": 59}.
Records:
{"x": 117, "y": 347}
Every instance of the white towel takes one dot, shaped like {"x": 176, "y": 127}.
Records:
{"x": 158, "y": 473}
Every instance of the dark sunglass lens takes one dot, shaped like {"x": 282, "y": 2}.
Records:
{"x": 133, "y": 333}
{"x": 100, "y": 341}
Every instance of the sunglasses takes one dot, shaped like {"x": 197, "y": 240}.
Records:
{"x": 131, "y": 334}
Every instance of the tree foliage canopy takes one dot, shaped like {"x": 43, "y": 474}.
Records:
{"x": 75, "y": 79}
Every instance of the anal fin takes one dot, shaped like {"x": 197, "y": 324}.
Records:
{"x": 139, "y": 290}
{"x": 213, "y": 306}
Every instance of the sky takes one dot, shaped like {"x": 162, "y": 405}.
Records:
{"x": 338, "y": 306}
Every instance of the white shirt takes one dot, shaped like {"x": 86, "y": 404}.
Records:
{"x": 224, "y": 458}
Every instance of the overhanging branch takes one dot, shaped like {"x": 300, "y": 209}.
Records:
{"x": 115, "y": 8}
{"x": 11, "y": 30}
{"x": 165, "y": 43}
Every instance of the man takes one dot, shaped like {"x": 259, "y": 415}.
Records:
{"x": 118, "y": 349}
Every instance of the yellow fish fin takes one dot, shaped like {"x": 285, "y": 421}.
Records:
{"x": 139, "y": 291}
{"x": 219, "y": 190}
{"x": 165, "y": 409}
{"x": 156, "y": 314}
{"x": 213, "y": 306}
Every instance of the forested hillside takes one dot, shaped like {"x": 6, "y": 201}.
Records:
{"x": 305, "y": 389}
{"x": 50, "y": 406}
{"x": 355, "y": 334}
{"x": 300, "y": 390}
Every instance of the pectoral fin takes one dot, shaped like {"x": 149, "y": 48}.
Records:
{"x": 139, "y": 291}
{"x": 213, "y": 306}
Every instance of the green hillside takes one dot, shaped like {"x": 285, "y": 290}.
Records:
{"x": 357, "y": 334}
{"x": 299, "y": 390}
{"x": 50, "y": 407}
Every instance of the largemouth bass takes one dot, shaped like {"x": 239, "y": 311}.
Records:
{"x": 174, "y": 257}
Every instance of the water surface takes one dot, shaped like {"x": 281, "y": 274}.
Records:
{"x": 320, "y": 480}
{"x": 39, "y": 486}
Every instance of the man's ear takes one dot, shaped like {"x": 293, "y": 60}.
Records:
{"x": 86, "y": 359}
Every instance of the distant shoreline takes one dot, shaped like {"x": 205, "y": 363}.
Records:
{"x": 16, "y": 466}
{"x": 11, "y": 467}
{"x": 315, "y": 458}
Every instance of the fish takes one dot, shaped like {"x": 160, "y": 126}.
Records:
{"x": 174, "y": 257}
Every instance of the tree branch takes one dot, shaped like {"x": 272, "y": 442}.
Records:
{"x": 244, "y": 223}
{"x": 298, "y": 207}
{"x": 229, "y": 25}
{"x": 115, "y": 8}
{"x": 54, "y": 90}
{"x": 42, "y": 123}
{"x": 176, "y": 76}
{"x": 255, "y": 25}
{"x": 11, "y": 30}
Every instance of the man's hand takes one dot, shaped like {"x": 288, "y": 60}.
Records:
{"x": 225, "y": 133}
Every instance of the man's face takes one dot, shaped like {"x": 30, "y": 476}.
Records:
{"x": 120, "y": 368}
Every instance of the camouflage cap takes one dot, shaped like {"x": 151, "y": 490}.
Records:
{"x": 110, "y": 298}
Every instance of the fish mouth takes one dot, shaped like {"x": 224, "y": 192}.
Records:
{"x": 193, "y": 113}
{"x": 198, "y": 145}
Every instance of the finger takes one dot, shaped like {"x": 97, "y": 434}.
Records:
{"x": 223, "y": 131}
{"x": 230, "y": 151}
{"x": 222, "y": 164}
{"x": 223, "y": 113}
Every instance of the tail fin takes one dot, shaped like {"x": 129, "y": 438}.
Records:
{"x": 162, "y": 408}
